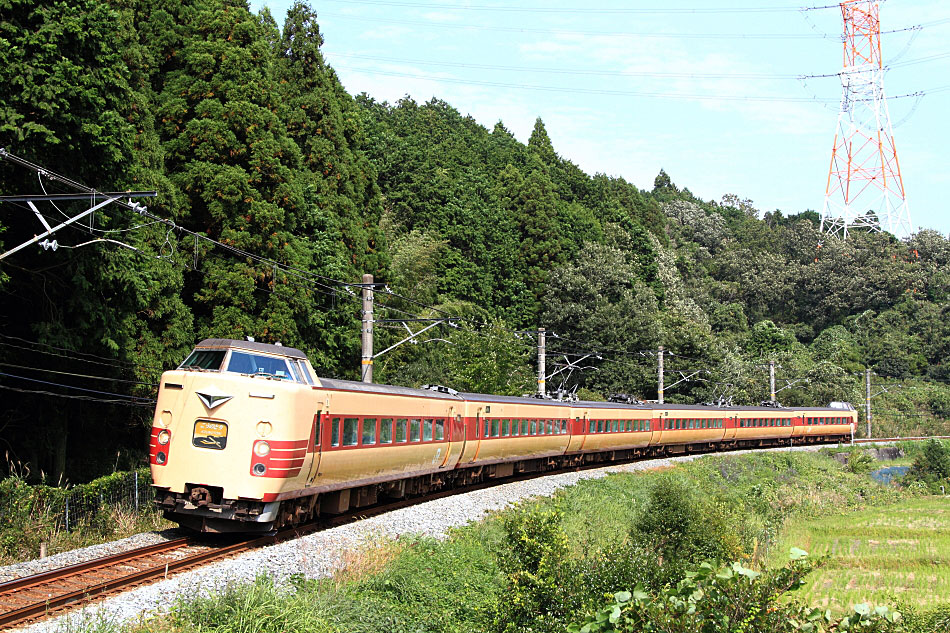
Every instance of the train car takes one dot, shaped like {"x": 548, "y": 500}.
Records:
{"x": 247, "y": 438}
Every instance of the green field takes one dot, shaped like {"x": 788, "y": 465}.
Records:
{"x": 878, "y": 555}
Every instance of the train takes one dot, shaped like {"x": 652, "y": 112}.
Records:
{"x": 247, "y": 438}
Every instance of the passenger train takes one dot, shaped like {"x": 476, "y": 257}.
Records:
{"x": 246, "y": 437}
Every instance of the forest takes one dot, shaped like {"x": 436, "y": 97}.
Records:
{"x": 279, "y": 190}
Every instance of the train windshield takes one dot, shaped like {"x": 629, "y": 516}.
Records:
{"x": 244, "y": 363}
{"x": 204, "y": 359}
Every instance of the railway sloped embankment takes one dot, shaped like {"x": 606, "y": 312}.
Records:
{"x": 572, "y": 540}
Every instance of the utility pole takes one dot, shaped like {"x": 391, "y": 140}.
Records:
{"x": 772, "y": 381}
{"x": 542, "y": 369}
{"x": 366, "y": 363}
{"x": 659, "y": 375}
{"x": 867, "y": 396}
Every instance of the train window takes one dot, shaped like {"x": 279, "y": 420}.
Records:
{"x": 547, "y": 427}
{"x": 414, "y": 425}
{"x": 316, "y": 428}
{"x": 534, "y": 427}
{"x": 504, "y": 427}
{"x": 613, "y": 425}
{"x": 335, "y": 433}
{"x": 294, "y": 371}
{"x": 524, "y": 426}
{"x": 386, "y": 431}
{"x": 350, "y": 431}
{"x": 563, "y": 427}
{"x": 427, "y": 431}
{"x": 304, "y": 372}
{"x": 402, "y": 426}
{"x": 593, "y": 426}
{"x": 369, "y": 431}
{"x": 204, "y": 359}
{"x": 495, "y": 426}
{"x": 244, "y": 363}
{"x": 487, "y": 427}
{"x": 439, "y": 430}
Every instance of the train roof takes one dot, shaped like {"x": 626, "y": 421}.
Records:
{"x": 251, "y": 346}
{"x": 449, "y": 394}
{"x": 372, "y": 387}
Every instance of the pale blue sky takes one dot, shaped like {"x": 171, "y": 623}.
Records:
{"x": 712, "y": 96}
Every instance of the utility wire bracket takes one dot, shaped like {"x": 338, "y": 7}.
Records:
{"x": 97, "y": 200}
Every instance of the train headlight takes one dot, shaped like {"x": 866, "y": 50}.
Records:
{"x": 259, "y": 469}
{"x": 163, "y": 437}
{"x": 160, "y": 458}
{"x": 261, "y": 449}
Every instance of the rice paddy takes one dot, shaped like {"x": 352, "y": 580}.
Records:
{"x": 880, "y": 555}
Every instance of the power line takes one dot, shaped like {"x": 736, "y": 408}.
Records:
{"x": 575, "y": 71}
{"x": 143, "y": 403}
{"x": 111, "y": 361}
{"x": 123, "y": 397}
{"x": 90, "y": 376}
{"x": 574, "y": 32}
{"x": 595, "y": 91}
{"x": 585, "y": 10}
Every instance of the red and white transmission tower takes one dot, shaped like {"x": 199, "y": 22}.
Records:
{"x": 865, "y": 188}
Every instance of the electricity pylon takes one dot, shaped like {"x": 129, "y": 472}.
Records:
{"x": 865, "y": 187}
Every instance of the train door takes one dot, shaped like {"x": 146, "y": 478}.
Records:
{"x": 457, "y": 440}
{"x": 316, "y": 431}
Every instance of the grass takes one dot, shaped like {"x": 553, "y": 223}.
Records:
{"x": 414, "y": 584}
{"x": 879, "y": 555}
{"x": 109, "y": 525}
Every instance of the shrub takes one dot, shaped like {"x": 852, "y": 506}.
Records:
{"x": 860, "y": 462}
{"x": 731, "y": 598}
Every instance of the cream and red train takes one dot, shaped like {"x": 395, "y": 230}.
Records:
{"x": 247, "y": 438}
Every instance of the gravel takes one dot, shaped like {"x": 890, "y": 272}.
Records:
{"x": 313, "y": 556}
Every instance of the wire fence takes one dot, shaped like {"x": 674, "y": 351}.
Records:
{"x": 65, "y": 508}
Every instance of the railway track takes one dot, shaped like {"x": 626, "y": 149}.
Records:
{"x": 33, "y": 597}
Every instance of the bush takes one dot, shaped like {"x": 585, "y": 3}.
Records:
{"x": 731, "y": 598}
{"x": 860, "y": 462}
{"x": 932, "y": 467}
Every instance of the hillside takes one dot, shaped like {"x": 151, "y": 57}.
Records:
{"x": 250, "y": 140}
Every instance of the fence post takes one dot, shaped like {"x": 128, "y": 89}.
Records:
{"x": 67, "y": 512}
{"x": 136, "y": 491}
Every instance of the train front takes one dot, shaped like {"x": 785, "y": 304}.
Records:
{"x": 231, "y": 433}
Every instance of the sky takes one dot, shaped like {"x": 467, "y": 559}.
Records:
{"x": 726, "y": 96}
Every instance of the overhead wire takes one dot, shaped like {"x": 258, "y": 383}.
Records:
{"x": 586, "y": 9}
{"x": 123, "y": 397}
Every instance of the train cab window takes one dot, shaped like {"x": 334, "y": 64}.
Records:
{"x": 369, "y": 431}
{"x": 386, "y": 431}
{"x": 504, "y": 427}
{"x": 439, "y": 430}
{"x": 204, "y": 359}
{"x": 427, "y": 431}
{"x": 255, "y": 364}
{"x": 350, "y": 431}
{"x": 303, "y": 372}
{"x": 402, "y": 426}
{"x": 414, "y": 427}
{"x": 335, "y": 432}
